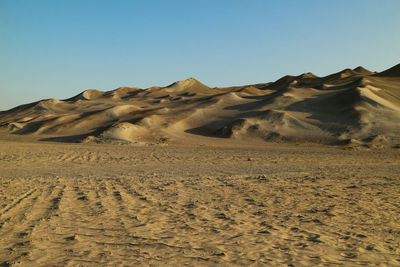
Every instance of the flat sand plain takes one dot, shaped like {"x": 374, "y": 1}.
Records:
{"x": 224, "y": 203}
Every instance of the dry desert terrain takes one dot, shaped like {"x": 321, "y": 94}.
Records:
{"x": 202, "y": 205}
{"x": 303, "y": 171}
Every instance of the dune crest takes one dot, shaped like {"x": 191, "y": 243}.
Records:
{"x": 351, "y": 106}
{"x": 392, "y": 72}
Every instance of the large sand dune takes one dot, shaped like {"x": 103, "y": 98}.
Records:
{"x": 349, "y": 107}
{"x": 188, "y": 175}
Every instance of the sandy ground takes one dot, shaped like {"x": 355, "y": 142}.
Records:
{"x": 188, "y": 174}
{"x": 234, "y": 204}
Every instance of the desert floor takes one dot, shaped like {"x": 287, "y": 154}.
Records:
{"x": 225, "y": 203}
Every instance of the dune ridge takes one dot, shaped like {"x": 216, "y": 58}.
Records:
{"x": 353, "y": 106}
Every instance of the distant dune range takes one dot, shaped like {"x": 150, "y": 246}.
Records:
{"x": 352, "y": 107}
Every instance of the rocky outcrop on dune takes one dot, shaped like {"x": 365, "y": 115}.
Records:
{"x": 355, "y": 107}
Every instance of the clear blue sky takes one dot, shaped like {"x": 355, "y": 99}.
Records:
{"x": 56, "y": 49}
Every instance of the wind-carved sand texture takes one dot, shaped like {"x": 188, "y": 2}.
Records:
{"x": 357, "y": 108}
{"x": 304, "y": 171}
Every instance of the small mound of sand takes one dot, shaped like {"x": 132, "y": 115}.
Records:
{"x": 307, "y": 75}
{"x": 126, "y": 131}
{"x": 362, "y": 70}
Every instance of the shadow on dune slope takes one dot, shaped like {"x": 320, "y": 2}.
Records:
{"x": 353, "y": 104}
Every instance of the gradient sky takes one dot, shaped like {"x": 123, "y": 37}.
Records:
{"x": 56, "y": 49}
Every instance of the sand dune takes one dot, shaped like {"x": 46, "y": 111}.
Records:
{"x": 206, "y": 176}
{"x": 353, "y": 104}
{"x": 392, "y": 72}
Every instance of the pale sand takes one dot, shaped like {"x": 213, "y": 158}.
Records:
{"x": 232, "y": 204}
{"x": 354, "y": 107}
{"x": 192, "y": 175}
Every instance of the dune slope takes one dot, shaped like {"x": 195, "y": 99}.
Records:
{"x": 353, "y": 106}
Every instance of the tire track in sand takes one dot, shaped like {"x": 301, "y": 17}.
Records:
{"x": 89, "y": 224}
{"x": 21, "y": 218}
